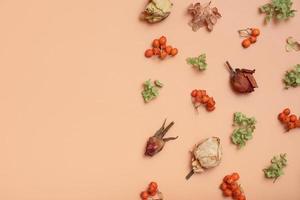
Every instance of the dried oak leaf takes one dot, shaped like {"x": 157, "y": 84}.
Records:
{"x": 203, "y": 15}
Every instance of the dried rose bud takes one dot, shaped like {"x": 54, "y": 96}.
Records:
{"x": 156, "y": 143}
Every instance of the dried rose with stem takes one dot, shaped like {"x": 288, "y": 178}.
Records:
{"x": 157, "y": 142}
{"x": 206, "y": 154}
{"x": 242, "y": 80}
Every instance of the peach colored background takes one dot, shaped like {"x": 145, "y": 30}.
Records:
{"x": 73, "y": 124}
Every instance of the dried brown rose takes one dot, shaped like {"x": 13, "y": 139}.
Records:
{"x": 203, "y": 15}
{"x": 157, "y": 142}
{"x": 242, "y": 80}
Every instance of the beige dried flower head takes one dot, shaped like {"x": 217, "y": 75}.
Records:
{"x": 207, "y": 154}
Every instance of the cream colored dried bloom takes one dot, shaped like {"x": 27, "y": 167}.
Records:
{"x": 207, "y": 154}
{"x": 157, "y": 10}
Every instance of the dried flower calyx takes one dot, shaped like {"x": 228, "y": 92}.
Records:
{"x": 150, "y": 91}
{"x": 292, "y": 77}
{"x": 245, "y": 127}
{"x": 275, "y": 170}
{"x": 198, "y": 62}
{"x": 278, "y": 9}
{"x": 292, "y": 44}
{"x": 207, "y": 154}
{"x": 157, "y": 142}
{"x": 157, "y": 10}
{"x": 203, "y": 15}
{"x": 242, "y": 80}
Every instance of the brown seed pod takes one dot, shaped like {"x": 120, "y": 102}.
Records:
{"x": 242, "y": 80}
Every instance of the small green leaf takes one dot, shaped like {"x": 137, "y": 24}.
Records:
{"x": 150, "y": 91}
{"x": 279, "y": 9}
{"x": 291, "y": 78}
{"x": 158, "y": 83}
{"x": 275, "y": 170}
{"x": 198, "y": 62}
{"x": 245, "y": 127}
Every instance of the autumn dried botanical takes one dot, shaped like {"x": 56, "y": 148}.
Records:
{"x": 292, "y": 44}
{"x": 203, "y": 15}
{"x": 242, "y": 80}
{"x": 206, "y": 154}
{"x": 157, "y": 142}
{"x": 157, "y": 10}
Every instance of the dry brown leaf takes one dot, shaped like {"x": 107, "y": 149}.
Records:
{"x": 203, "y": 15}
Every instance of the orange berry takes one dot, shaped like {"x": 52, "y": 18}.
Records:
{"x": 252, "y": 39}
{"x": 226, "y": 178}
{"x": 281, "y": 116}
{"x": 211, "y": 102}
{"x": 205, "y": 99}
{"x": 174, "y": 52}
{"x": 234, "y": 186}
{"x": 149, "y": 53}
{"x": 153, "y": 193}
{"x": 194, "y": 93}
{"x": 255, "y": 32}
{"x": 241, "y": 197}
{"x": 168, "y": 49}
{"x": 198, "y": 99}
{"x": 152, "y": 189}
{"x": 291, "y": 125}
{"x": 162, "y": 40}
{"x": 235, "y": 176}
{"x": 293, "y": 118}
{"x": 237, "y": 192}
{"x": 286, "y": 119}
{"x": 287, "y": 111}
{"x": 223, "y": 186}
{"x": 210, "y": 109}
{"x": 227, "y": 193}
{"x": 153, "y": 184}
{"x": 199, "y": 93}
{"x": 155, "y": 43}
{"x": 144, "y": 195}
{"x": 246, "y": 43}
{"x": 230, "y": 180}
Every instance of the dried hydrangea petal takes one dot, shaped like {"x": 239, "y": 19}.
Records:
{"x": 203, "y": 15}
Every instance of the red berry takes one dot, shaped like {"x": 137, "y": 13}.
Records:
{"x": 281, "y": 117}
{"x": 227, "y": 193}
{"x": 149, "y": 53}
{"x": 144, "y": 195}
{"x": 194, "y": 93}
{"x": 235, "y": 176}
{"x": 154, "y": 185}
{"x": 293, "y": 118}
